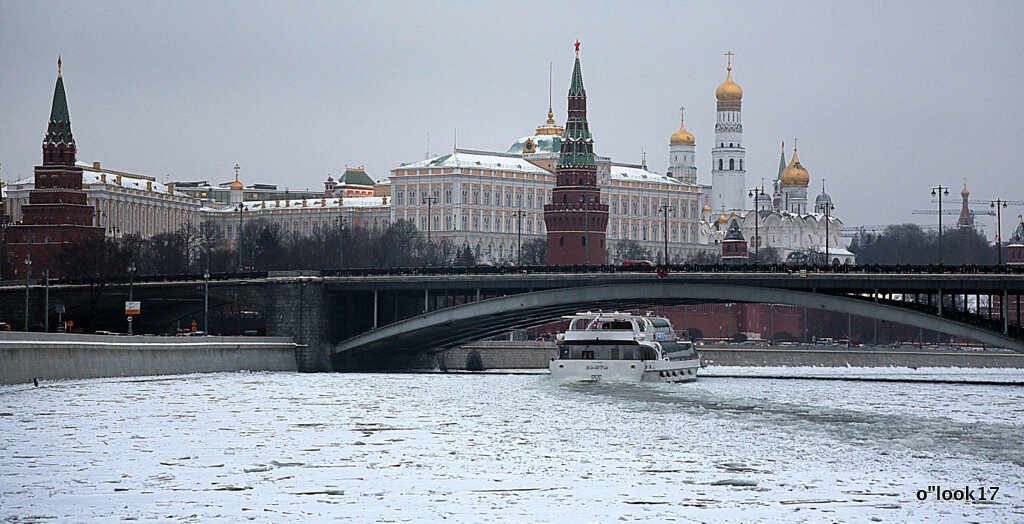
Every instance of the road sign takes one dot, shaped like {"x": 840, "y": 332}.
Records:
{"x": 132, "y": 307}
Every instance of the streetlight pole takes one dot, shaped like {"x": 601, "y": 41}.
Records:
{"x": 828, "y": 218}
{"x": 519, "y": 237}
{"x": 998, "y": 204}
{"x": 756, "y": 192}
{"x": 46, "y": 302}
{"x": 429, "y": 201}
{"x": 586, "y": 230}
{"x": 665, "y": 208}
{"x": 206, "y": 283}
{"x": 940, "y": 190}
{"x": 341, "y": 244}
{"x": 131, "y": 294}
{"x": 241, "y": 207}
{"x": 28, "y": 276}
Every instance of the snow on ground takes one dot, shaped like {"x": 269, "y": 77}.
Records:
{"x": 273, "y": 447}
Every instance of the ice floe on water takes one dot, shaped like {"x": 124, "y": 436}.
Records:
{"x": 274, "y": 447}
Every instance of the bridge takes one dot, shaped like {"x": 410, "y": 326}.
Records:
{"x": 364, "y": 318}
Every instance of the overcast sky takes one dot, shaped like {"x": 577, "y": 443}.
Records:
{"x": 887, "y": 100}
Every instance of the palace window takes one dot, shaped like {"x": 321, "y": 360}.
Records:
{"x": 465, "y": 222}
{"x": 476, "y": 196}
{"x": 448, "y": 196}
{"x": 720, "y": 164}
{"x": 465, "y": 196}
{"x": 732, "y": 163}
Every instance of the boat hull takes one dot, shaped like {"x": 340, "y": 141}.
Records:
{"x": 624, "y": 370}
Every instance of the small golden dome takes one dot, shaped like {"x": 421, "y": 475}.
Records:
{"x": 682, "y": 136}
{"x": 795, "y": 175}
{"x": 723, "y": 219}
{"x": 965, "y": 192}
{"x": 236, "y": 185}
{"x": 707, "y": 208}
{"x": 729, "y": 91}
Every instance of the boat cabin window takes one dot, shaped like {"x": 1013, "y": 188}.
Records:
{"x": 617, "y": 325}
{"x": 658, "y": 322}
{"x": 587, "y": 355}
{"x": 580, "y": 324}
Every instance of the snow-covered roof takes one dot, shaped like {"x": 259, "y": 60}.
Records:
{"x": 311, "y": 203}
{"x": 638, "y": 174}
{"x": 543, "y": 144}
{"x": 477, "y": 159}
{"x": 92, "y": 177}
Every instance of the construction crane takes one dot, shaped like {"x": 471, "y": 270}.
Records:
{"x": 952, "y": 212}
{"x": 983, "y": 202}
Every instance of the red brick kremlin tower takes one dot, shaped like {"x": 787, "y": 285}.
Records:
{"x": 576, "y": 219}
{"x": 56, "y": 214}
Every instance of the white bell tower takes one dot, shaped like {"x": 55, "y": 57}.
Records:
{"x": 728, "y": 172}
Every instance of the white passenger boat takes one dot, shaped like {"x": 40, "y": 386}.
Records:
{"x": 623, "y": 347}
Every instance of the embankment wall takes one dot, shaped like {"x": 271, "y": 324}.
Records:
{"x": 53, "y": 356}
{"x": 858, "y": 358}
{"x": 535, "y": 355}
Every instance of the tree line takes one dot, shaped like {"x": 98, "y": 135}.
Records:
{"x": 909, "y": 244}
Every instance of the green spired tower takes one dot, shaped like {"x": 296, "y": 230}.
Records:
{"x": 576, "y": 219}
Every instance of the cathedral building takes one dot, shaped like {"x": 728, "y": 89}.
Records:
{"x": 57, "y": 214}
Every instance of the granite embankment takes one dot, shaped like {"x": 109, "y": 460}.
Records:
{"x": 535, "y": 355}
{"x": 54, "y": 356}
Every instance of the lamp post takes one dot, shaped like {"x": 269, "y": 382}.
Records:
{"x": 586, "y": 229}
{"x": 756, "y": 192}
{"x": 131, "y": 294}
{"x": 241, "y": 207}
{"x": 206, "y": 282}
{"x": 519, "y": 236}
{"x": 665, "y": 208}
{"x": 46, "y": 302}
{"x": 940, "y": 190}
{"x": 999, "y": 204}
{"x": 429, "y": 201}
{"x": 28, "y": 276}
{"x": 829, "y": 206}
{"x": 341, "y": 245}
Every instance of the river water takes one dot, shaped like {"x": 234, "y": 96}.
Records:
{"x": 281, "y": 447}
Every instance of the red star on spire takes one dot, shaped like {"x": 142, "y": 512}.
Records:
{"x": 577, "y": 46}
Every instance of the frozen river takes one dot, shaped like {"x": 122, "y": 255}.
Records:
{"x": 283, "y": 447}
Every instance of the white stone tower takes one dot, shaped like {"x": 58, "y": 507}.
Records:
{"x": 682, "y": 154}
{"x": 728, "y": 174}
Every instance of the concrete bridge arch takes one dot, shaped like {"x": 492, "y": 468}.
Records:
{"x": 448, "y": 328}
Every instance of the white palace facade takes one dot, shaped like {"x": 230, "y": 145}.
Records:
{"x": 494, "y": 201}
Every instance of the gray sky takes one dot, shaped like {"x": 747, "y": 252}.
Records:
{"x": 887, "y": 100}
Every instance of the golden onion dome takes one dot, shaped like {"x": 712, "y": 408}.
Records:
{"x": 723, "y": 219}
{"x": 729, "y": 91}
{"x": 237, "y": 186}
{"x": 682, "y": 136}
{"x": 707, "y": 208}
{"x": 965, "y": 192}
{"x": 795, "y": 175}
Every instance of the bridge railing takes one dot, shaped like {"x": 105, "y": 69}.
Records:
{"x": 898, "y": 269}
